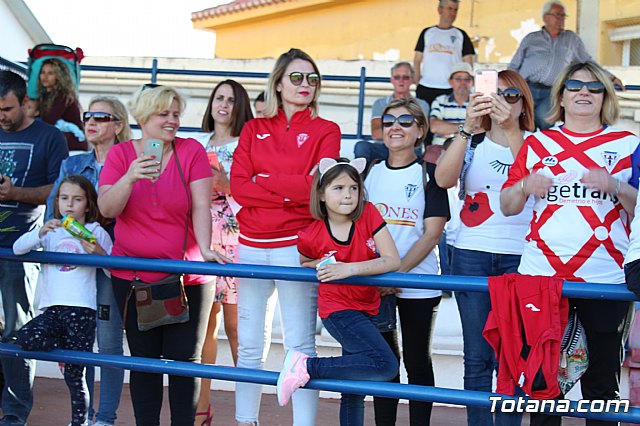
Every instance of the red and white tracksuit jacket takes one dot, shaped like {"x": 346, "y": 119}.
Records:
{"x": 525, "y": 328}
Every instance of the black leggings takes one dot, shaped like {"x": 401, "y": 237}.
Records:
{"x": 181, "y": 342}
{"x": 64, "y": 327}
{"x": 417, "y": 318}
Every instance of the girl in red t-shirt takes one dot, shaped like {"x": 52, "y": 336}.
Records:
{"x": 348, "y": 238}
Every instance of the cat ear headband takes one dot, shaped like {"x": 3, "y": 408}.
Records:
{"x": 327, "y": 164}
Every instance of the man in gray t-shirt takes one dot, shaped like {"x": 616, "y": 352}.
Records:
{"x": 402, "y": 75}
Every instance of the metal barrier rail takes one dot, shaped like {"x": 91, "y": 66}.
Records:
{"x": 384, "y": 389}
{"x": 443, "y": 282}
{"x": 265, "y": 377}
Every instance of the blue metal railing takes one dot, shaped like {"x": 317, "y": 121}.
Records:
{"x": 19, "y": 69}
{"x": 385, "y": 389}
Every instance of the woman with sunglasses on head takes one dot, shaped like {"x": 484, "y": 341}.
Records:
{"x": 480, "y": 156}
{"x": 105, "y": 124}
{"x": 582, "y": 177}
{"x": 403, "y": 183}
{"x": 271, "y": 175}
{"x": 162, "y": 211}
{"x": 229, "y": 108}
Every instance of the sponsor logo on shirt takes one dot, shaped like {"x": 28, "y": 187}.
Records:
{"x": 567, "y": 189}
{"x": 262, "y": 136}
{"x": 371, "y": 245}
{"x": 440, "y": 48}
{"x": 550, "y": 161}
{"x": 398, "y": 215}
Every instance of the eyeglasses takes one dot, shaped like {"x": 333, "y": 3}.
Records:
{"x": 402, "y": 77}
{"x": 577, "y": 85}
{"x": 465, "y": 79}
{"x": 150, "y": 86}
{"x": 557, "y": 15}
{"x": 99, "y": 117}
{"x": 297, "y": 78}
{"x": 510, "y": 94}
{"x": 405, "y": 120}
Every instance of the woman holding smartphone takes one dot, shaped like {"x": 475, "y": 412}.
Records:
{"x": 271, "y": 177}
{"x": 161, "y": 206}
{"x": 481, "y": 160}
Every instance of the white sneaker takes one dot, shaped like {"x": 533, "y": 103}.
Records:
{"x": 100, "y": 423}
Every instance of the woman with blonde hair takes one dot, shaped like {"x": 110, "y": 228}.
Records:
{"x": 582, "y": 178}
{"x": 106, "y": 123}
{"x": 271, "y": 177}
{"x": 161, "y": 207}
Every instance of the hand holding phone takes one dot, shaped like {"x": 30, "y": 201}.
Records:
{"x": 213, "y": 160}
{"x": 154, "y": 148}
{"x": 486, "y": 82}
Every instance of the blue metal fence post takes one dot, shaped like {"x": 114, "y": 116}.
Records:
{"x": 154, "y": 71}
{"x": 363, "y": 81}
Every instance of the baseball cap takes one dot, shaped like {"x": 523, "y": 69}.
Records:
{"x": 461, "y": 67}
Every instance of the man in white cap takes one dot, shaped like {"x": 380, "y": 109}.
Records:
{"x": 449, "y": 110}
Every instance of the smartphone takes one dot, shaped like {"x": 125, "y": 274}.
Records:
{"x": 154, "y": 147}
{"x": 213, "y": 160}
{"x": 486, "y": 82}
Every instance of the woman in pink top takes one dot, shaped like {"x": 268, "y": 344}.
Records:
{"x": 153, "y": 214}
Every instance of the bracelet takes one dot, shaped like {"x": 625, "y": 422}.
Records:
{"x": 522, "y": 187}
{"x": 617, "y": 190}
{"x": 463, "y": 133}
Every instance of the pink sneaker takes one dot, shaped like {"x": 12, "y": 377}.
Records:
{"x": 293, "y": 376}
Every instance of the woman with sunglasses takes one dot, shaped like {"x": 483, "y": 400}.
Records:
{"x": 105, "y": 124}
{"x": 582, "y": 177}
{"x": 400, "y": 184}
{"x": 228, "y": 110}
{"x": 162, "y": 209}
{"x": 271, "y": 176}
{"x": 480, "y": 156}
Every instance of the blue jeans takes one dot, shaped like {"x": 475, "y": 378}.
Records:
{"x": 365, "y": 356}
{"x": 370, "y": 150}
{"x": 109, "y": 334}
{"x": 474, "y": 307}
{"x": 444, "y": 252}
{"x": 542, "y": 101}
{"x": 17, "y": 284}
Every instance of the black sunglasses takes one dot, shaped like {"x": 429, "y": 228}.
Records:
{"x": 577, "y": 85}
{"x": 150, "y": 86}
{"x": 405, "y": 120}
{"x": 99, "y": 117}
{"x": 510, "y": 94}
{"x": 296, "y": 78}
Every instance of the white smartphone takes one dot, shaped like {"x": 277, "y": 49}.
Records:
{"x": 486, "y": 82}
{"x": 154, "y": 147}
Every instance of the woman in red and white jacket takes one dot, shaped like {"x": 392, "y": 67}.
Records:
{"x": 271, "y": 177}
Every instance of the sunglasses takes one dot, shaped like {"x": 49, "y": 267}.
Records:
{"x": 405, "y": 120}
{"x": 297, "y": 78}
{"x": 402, "y": 77}
{"x": 150, "y": 86}
{"x": 511, "y": 94}
{"x": 577, "y": 85}
{"x": 99, "y": 117}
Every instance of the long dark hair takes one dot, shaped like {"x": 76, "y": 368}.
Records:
{"x": 240, "y": 114}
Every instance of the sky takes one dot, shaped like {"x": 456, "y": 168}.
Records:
{"x": 158, "y": 28}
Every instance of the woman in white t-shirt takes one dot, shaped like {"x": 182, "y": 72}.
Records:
{"x": 488, "y": 243}
{"x": 404, "y": 191}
